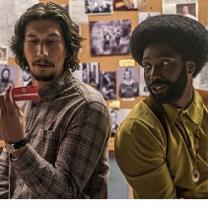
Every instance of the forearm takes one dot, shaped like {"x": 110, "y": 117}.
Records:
{"x": 43, "y": 179}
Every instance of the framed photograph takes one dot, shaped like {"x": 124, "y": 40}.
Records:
{"x": 125, "y": 5}
{"x": 110, "y": 37}
{"x": 8, "y": 75}
{"x": 128, "y": 82}
{"x": 98, "y": 7}
{"x": 108, "y": 85}
{"x": 3, "y": 55}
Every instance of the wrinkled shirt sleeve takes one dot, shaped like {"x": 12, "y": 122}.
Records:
{"x": 140, "y": 154}
{"x": 4, "y": 175}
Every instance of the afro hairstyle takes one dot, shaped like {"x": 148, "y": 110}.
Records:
{"x": 183, "y": 34}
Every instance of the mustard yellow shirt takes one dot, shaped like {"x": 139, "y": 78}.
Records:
{"x": 159, "y": 167}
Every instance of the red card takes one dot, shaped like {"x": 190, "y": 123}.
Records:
{"x": 25, "y": 93}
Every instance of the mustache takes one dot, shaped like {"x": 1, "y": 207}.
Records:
{"x": 42, "y": 61}
{"x": 158, "y": 81}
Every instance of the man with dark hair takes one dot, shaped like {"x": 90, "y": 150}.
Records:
{"x": 57, "y": 148}
{"x": 161, "y": 146}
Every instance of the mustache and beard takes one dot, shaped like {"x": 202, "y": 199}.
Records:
{"x": 43, "y": 77}
{"x": 174, "y": 89}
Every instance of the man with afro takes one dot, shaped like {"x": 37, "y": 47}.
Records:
{"x": 162, "y": 145}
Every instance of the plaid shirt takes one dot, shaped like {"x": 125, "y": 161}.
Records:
{"x": 66, "y": 156}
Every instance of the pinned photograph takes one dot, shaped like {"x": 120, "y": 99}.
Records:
{"x": 3, "y": 55}
{"x": 143, "y": 90}
{"x": 117, "y": 116}
{"x": 108, "y": 85}
{"x": 142, "y": 5}
{"x": 110, "y": 37}
{"x": 90, "y": 73}
{"x": 187, "y": 10}
{"x": 201, "y": 81}
{"x": 97, "y": 7}
{"x": 144, "y": 15}
{"x": 125, "y": 5}
{"x": 8, "y": 75}
{"x": 128, "y": 82}
{"x": 25, "y": 78}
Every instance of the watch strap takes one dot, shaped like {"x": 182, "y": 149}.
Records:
{"x": 19, "y": 144}
{"x": 13, "y": 147}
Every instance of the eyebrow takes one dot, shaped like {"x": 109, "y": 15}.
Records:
{"x": 32, "y": 35}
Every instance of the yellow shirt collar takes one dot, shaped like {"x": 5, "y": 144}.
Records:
{"x": 194, "y": 111}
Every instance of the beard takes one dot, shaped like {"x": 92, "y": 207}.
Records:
{"x": 174, "y": 89}
{"x": 43, "y": 78}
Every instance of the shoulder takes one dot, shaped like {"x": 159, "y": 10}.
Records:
{"x": 140, "y": 127}
{"x": 141, "y": 115}
{"x": 88, "y": 93}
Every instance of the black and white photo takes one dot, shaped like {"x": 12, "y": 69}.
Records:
{"x": 110, "y": 37}
{"x": 25, "y": 78}
{"x": 108, "y": 85}
{"x": 8, "y": 75}
{"x": 117, "y": 116}
{"x": 90, "y": 73}
{"x": 128, "y": 81}
{"x": 98, "y": 7}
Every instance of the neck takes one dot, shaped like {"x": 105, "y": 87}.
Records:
{"x": 40, "y": 84}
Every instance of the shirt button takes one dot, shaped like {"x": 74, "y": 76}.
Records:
{"x": 195, "y": 176}
{"x": 197, "y": 134}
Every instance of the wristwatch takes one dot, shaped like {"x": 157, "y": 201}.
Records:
{"x": 13, "y": 147}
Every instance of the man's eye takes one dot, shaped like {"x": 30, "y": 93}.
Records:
{"x": 33, "y": 41}
{"x": 165, "y": 63}
{"x": 51, "y": 41}
{"x": 146, "y": 67}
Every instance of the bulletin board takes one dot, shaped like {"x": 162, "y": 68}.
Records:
{"x": 110, "y": 62}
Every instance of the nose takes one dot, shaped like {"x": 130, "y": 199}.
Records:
{"x": 154, "y": 73}
{"x": 42, "y": 50}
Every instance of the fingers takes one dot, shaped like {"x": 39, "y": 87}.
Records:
{"x": 2, "y": 105}
{"x": 8, "y": 95}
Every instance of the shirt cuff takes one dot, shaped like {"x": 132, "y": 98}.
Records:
{"x": 28, "y": 162}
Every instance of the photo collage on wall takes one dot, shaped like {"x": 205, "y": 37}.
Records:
{"x": 123, "y": 83}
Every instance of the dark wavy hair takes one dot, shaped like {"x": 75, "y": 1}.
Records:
{"x": 183, "y": 34}
{"x": 54, "y": 12}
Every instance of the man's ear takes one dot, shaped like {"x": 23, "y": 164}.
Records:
{"x": 190, "y": 67}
